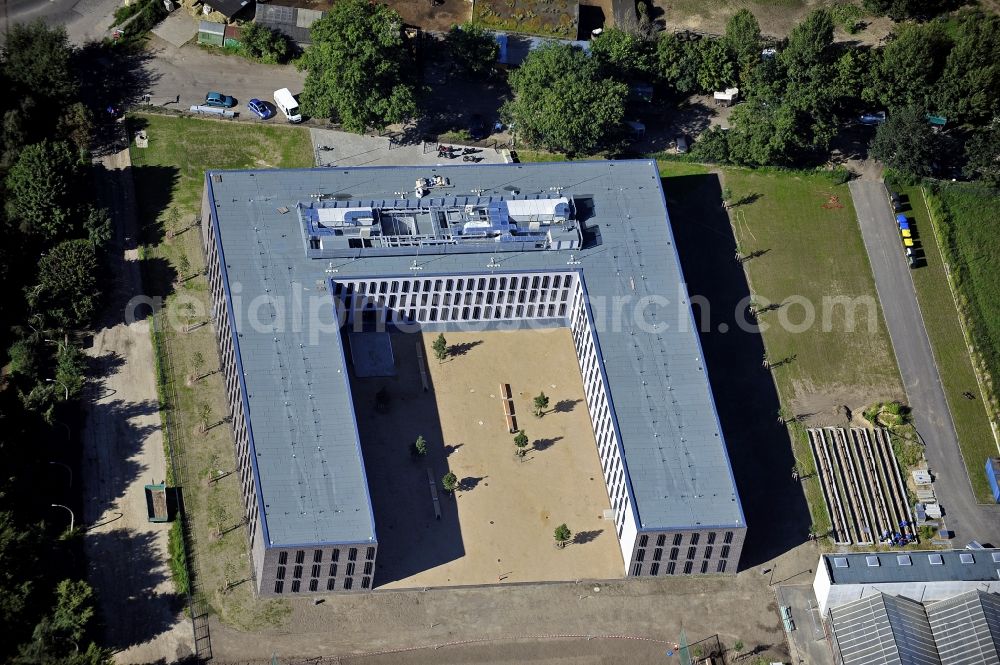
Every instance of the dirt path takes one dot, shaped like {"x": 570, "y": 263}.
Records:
{"x": 123, "y": 450}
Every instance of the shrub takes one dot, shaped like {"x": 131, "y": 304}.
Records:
{"x": 262, "y": 44}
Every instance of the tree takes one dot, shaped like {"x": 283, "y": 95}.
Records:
{"x": 440, "y": 347}
{"x": 982, "y": 153}
{"x": 420, "y": 447}
{"x": 24, "y": 358}
{"x": 743, "y": 40}
{"x": 70, "y": 370}
{"x": 37, "y": 60}
{"x": 541, "y": 403}
{"x": 205, "y": 416}
{"x": 521, "y": 443}
{"x": 622, "y": 55}
{"x": 899, "y": 10}
{"x": 562, "y": 103}
{"x": 713, "y": 146}
{"x": 809, "y": 47}
{"x": 449, "y": 482}
{"x": 716, "y": 71}
{"x": 39, "y": 189}
{"x": 261, "y": 43}
{"x": 97, "y": 225}
{"x": 473, "y": 49}
{"x": 764, "y": 133}
{"x": 911, "y": 66}
{"x": 67, "y": 291}
{"x": 77, "y": 125}
{"x": 359, "y": 67}
{"x": 966, "y": 90}
{"x": 738, "y": 646}
{"x": 678, "y": 63}
{"x": 562, "y": 535}
{"x": 906, "y": 143}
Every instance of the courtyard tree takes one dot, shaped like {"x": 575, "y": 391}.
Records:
{"x": 982, "y": 153}
{"x": 39, "y": 189}
{"x": 911, "y": 66}
{"x": 473, "y": 49}
{"x": 562, "y": 103}
{"x": 440, "y": 347}
{"x": 420, "y": 447}
{"x": 562, "y": 535}
{"x": 541, "y": 403}
{"x": 70, "y": 369}
{"x": 360, "y": 70}
{"x": 521, "y": 443}
{"x": 623, "y": 55}
{"x": 449, "y": 482}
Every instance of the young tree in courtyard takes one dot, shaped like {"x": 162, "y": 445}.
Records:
{"x": 541, "y": 403}
{"x": 521, "y": 441}
{"x": 562, "y": 103}
{"x": 360, "y": 70}
{"x": 419, "y": 447}
{"x": 562, "y": 535}
{"x": 440, "y": 347}
{"x": 449, "y": 482}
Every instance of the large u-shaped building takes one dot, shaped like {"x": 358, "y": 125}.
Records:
{"x": 294, "y": 254}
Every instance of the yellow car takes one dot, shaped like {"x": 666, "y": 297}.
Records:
{"x": 907, "y": 242}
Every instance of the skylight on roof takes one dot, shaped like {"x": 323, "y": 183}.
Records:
{"x": 966, "y": 557}
{"x": 935, "y": 559}
{"x": 904, "y": 560}
{"x": 872, "y": 561}
{"x": 840, "y": 562}
{"x": 996, "y": 557}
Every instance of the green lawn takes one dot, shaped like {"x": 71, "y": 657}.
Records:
{"x": 169, "y": 178}
{"x": 813, "y": 255}
{"x": 966, "y": 221}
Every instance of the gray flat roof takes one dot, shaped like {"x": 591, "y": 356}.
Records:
{"x": 913, "y": 566}
{"x": 307, "y": 453}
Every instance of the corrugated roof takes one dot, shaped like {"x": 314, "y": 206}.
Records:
{"x": 884, "y": 630}
{"x": 967, "y": 628}
{"x": 310, "y": 468}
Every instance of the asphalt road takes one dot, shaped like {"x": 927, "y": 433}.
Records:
{"x": 83, "y": 19}
{"x": 968, "y": 519}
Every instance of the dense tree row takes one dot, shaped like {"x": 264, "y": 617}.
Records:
{"x": 51, "y": 243}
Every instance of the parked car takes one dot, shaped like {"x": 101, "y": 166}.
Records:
{"x": 477, "y": 127}
{"x": 262, "y": 110}
{"x": 895, "y": 201}
{"x": 219, "y": 100}
{"x": 682, "y": 145}
{"x": 873, "y": 118}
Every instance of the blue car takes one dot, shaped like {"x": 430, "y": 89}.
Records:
{"x": 219, "y": 100}
{"x": 262, "y": 110}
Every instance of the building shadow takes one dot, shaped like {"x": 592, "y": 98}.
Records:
{"x": 411, "y": 538}
{"x": 759, "y": 448}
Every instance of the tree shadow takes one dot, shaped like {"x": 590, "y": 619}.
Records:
{"x": 447, "y": 450}
{"x": 565, "y": 405}
{"x": 470, "y": 483}
{"x": 752, "y": 197}
{"x": 126, "y": 567}
{"x": 105, "y": 365}
{"x": 584, "y": 537}
{"x": 759, "y": 449}
{"x": 545, "y": 444}
{"x": 463, "y": 348}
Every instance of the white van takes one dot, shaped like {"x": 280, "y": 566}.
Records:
{"x": 284, "y": 100}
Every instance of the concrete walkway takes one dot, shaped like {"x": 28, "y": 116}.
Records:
{"x": 122, "y": 451}
{"x": 967, "y": 518}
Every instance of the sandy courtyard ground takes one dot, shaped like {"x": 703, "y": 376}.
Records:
{"x": 498, "y": 528}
